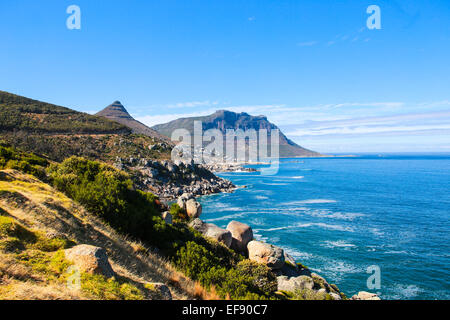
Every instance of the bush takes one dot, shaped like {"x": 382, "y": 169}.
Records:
{"x": 260, "y": 276}
{"x": 177, "y": 213}
{"x": 107, "y": 193}
{"x": 11, "y": 158}
{"x": 244, "y": 280}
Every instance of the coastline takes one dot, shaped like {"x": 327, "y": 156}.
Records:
{"x": 293, "y": 275}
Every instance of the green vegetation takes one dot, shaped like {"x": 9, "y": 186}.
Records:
{"x": 44, "y": 258}
{"x": 307, "y": 294}
{"x": 10, "y": 158}
{"x": 58, "y": 132}
{"x": 242, "y": 280}
{"x": 23, "y": 114}
{"x": 178, "y": 214}
{"x": 110, "y": 194}
{"x": 97, "y": 286}
{"x": 15, "y": 238}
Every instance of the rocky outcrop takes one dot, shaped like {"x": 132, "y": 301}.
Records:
{"x": 181, "y": 201}
{"x": 161, "y": 290}
{"x": 90, "y": 259}
{"x": 296, "y": 283}
{"x": 363, "y": 295}
{"x": 242, "y": 234}
{"x": 193, "y": 208}
{"x": 228, "y": 167}
{"x": 212, "y": 231}
{"x": 265, "y": 253}
{"x": 167, "y": 217}
{"x": 169, "y": 180}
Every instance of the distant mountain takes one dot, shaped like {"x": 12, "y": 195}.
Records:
{"x": 224, "y": 120}
{"x": 117, "y": 112}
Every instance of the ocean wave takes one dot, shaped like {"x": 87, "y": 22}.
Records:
{"x": 308, "y": 225}
{"x": 334, "y": 215}
{"x": 274, "y": 184}
{"x": 298, "y": 177}
{"x": 298, "y": 255}
{"x": 342, "y": 267}
{"x": 231, "y": 216}
{"x": 261, "y": 197}
{"x": 376, "y": 232}
{"x": 402, "y": 291}
{"x": 310, "y": 201}
{"x": 338, "y": 244}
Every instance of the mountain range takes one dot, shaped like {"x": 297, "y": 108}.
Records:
{"x": 224, "y": 120}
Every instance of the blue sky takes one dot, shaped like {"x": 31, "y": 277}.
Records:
{"x": 313, "y": 67}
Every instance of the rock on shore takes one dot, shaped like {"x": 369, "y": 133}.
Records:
{"x": 265, "y": 253}
{"x": 168, "y": 180}
{"x": 242, "y": 234}
{"x": 212, "y": 231}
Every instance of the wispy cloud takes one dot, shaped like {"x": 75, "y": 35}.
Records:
{"x": 402, "y": 123}
{"x": 319, "y": 126}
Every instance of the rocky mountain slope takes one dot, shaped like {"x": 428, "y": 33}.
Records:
{"x": 224, "y": 120}
{"x": 57, "y": 133}
{"x": 117, "y": 112}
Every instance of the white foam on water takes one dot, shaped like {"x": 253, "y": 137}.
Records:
{"x": 325, "y": 213}
{"x": 340, "y": 267}
{"x": 403, "y": 291}
{"x": 261, "y": 197}
{"x": 308, "y": 225}
{"x": 310, "y": 201}
{"x": 338, "y": 244}
{"x": 376, "y": 232}
{"x": 231, "y": 216}
{"x": 274, "y": 184}
{"x": 299, "y": 177}
{"x": 298, "y": 255}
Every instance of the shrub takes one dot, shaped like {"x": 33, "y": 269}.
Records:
{"x": 108, "y": 193}
{"x": 178, "y": 213}
{"x": 11, "y": 158}
{"x": 260, "y": 276}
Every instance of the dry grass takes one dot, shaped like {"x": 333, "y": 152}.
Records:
{"x": 36, "y": 205}
{"x": 28, "y": 290}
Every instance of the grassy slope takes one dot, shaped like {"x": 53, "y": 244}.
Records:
{"x": 29, "y": 269}
{"x": 57, "y": 132}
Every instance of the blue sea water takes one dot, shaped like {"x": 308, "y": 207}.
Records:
{"x": 338, "y": 216}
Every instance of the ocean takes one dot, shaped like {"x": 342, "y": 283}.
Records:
{"x": 339, "y": 216}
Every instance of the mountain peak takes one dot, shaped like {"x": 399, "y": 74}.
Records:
{"x": 224, "y": 120}
{"x": 115, "y": 111}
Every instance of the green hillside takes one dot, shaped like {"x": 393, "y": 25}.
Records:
{"x": 20, "y": 113}
{"x": 57, "y": 132}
